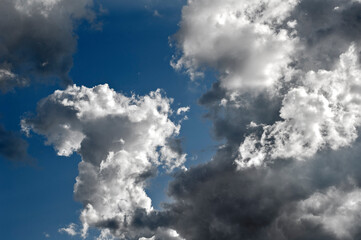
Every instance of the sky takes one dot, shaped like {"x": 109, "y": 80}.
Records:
{"x": 180, "y": 120}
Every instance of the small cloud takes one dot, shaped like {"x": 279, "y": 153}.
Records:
{"x": 70, "y": 230}
{"x": 182, "y": 110}
{"x": 47, "y": 235}
{"x": 156, "y": 14}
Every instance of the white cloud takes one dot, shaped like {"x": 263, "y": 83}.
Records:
{"x": 239, "y": 39}
{"x": 182, "y": 110}
{"x": 164, "y": 233}
{"x": 70, "y": 230}
{"x": 121, "y": 141}
{"x": 324, "y": 111}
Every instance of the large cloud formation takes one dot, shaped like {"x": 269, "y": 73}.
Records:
{"x": 315, "y": 89}
{"x": 121, "y": 140}
{"x": 287, "y": 105}
{"x": 37, "y": 39}
{"x": 299, "y": 101}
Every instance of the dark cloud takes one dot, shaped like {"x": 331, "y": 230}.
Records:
{"x": 37, "y": 40}
{"x": 326, "y": 29}
{"x": 231, "y": 118}
{"x": 216, "y": 201}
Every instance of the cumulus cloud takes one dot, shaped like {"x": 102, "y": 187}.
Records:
{"x": 37, "y": 39}
{"x": 238, "y": 39}
{"x": 323, "y": 112}
{"x": 309, "y": 101}
{"x": 122, "y": 140}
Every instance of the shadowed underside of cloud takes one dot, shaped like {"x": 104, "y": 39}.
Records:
{"x": 316, "y": 199}
{"x": 37, "y": 40}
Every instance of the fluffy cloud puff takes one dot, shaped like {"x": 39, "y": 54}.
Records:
{"x": 239, "y": 39}
{"x": 37, "y": 39}
{"x": 121, "y": 141}
{"x": 323, "y": 112}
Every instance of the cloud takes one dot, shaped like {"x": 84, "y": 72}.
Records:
{"x": 256, "y": 95}
{"x": 122, "y": 140}
{"x": 237, "y": 39}
{"x": 12, "y": 146}
{"x": 156, "y": 14}
{"x": 37, "y": 39}
{"x": 325, "y": 29}
{"x": 70, "y": 230}
{"x": 316, "y": 199}
{"x": 324, "y": 112}
{"x": 336, "y": 210}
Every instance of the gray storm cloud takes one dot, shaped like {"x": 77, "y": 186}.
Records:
{"x": 286, "y": 103}
{"x": 37, "y": 39}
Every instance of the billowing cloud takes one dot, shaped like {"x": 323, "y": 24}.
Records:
{"x": 121, "y": 140}
{"x": 37, "y": 39}
{"x": 323, "y": 112}
{"x": 289, "y": 108}
{"x": 238, "y": 39}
